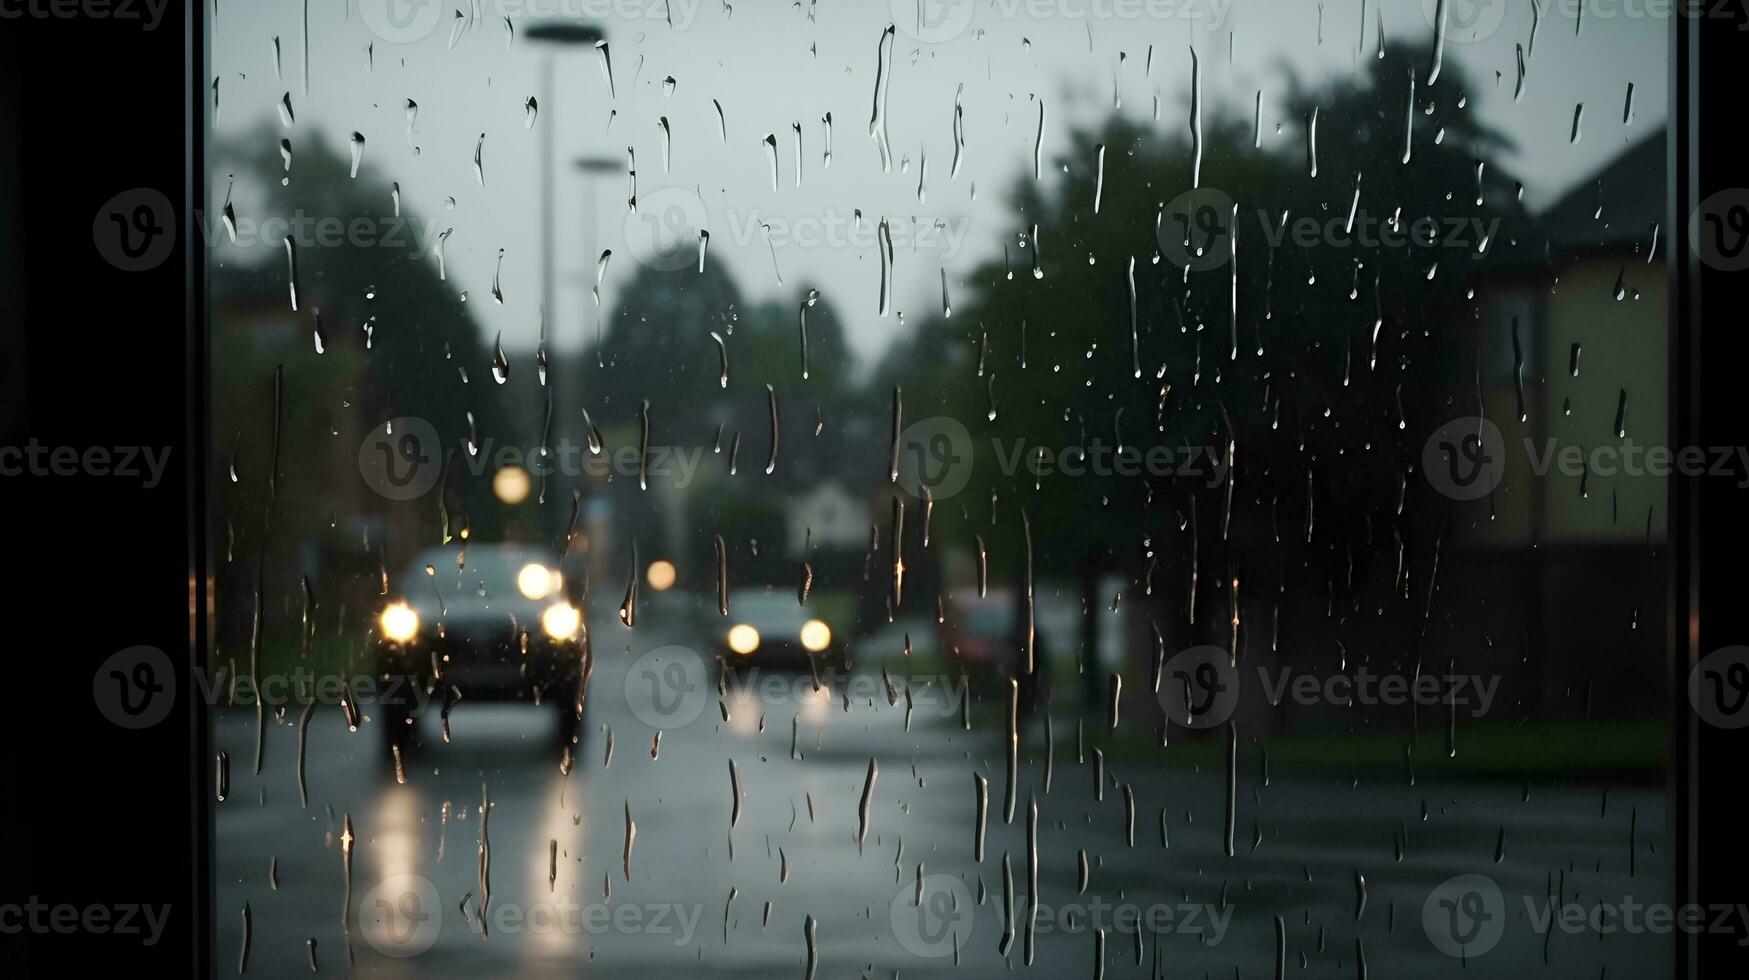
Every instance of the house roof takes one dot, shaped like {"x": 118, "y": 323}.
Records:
{"x": 1630, "y": 190}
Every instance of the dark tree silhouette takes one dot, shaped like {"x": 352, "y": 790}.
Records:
{"x": 1267, "y": 326}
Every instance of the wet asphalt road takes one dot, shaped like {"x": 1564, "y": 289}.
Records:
{"x": 792, "y": 852}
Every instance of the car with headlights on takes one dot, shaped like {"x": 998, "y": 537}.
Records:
{"x": 479, "y": 622}
{"x": 769, "y": 628}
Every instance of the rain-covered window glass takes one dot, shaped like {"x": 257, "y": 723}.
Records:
{"x": 1127, "y": 488}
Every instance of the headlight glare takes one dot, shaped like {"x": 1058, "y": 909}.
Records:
{"x": 743, "y": 639}
{"x": 561, "y": 621}
{"x": 399, "y": 622}
{"x": 816, "y": 636}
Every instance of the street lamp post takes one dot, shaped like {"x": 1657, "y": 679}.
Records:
{"x": 555, "y": 33}
{"x": 598, "y": 522}
{"x": 589, "y": 166}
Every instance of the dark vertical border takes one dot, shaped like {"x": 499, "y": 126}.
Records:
{"x": 1684, "y": 351}
{"x": 1711, "y": 514}
{"x": 93, "y": 816}
{"x": 16, "y": 769}
{"x": 196, "y": 399}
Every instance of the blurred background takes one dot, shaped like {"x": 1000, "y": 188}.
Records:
{"x": 1016, "y": 349}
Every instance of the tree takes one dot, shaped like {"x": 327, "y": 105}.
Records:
{"x": 376, "y": 335}
{"x": 1298, "y": 348}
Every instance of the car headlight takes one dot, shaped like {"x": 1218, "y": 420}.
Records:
{"x": 816, "y": 636}
{"x": 661, "y": 575}
{"x": 561, "y": 621}
{"x": 743, "y": 639}
{"x": 536, "y": 581}
{"x": 399, "y": 622}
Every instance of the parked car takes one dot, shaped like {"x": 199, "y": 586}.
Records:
{"x": 889, "y": 642}
{"x": 979, "y": 632}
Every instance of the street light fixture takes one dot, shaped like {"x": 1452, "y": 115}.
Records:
{"x": 564, "y": 32}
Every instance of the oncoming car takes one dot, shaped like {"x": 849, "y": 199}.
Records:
{"x": 481, "y": 622}
{"x": 772, "y": 629}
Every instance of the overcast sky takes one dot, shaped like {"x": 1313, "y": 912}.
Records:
{"x": 774, "y": 63}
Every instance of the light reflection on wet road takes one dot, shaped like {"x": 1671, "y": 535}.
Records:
{"x": 799, "y": 819}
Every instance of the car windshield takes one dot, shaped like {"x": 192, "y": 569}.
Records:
{"x": 494, "y": 570}
{"x": 767, "y": 609}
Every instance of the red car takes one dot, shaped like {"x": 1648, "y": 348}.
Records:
{"x": 979, "y": 632}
